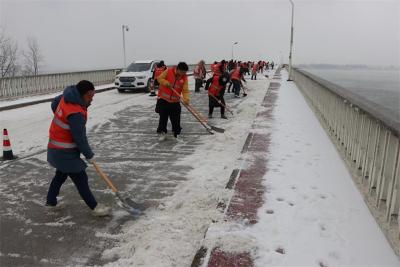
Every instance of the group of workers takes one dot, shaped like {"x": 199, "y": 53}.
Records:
{"x": 67, "y": 133}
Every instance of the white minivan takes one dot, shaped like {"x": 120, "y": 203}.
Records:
{"x": 137, "y": 76}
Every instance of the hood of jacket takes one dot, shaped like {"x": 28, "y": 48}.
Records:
{"x": 71, "y": 95}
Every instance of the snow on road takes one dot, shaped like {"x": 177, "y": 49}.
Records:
{"x": 312, "y": 209}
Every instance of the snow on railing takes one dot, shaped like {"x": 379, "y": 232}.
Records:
{"x": 368, "y": 140}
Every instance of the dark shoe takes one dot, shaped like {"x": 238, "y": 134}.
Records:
{"x": 57, "y": 207}
{"x": 224, "y": 117}
{"x": 152, "y": 94}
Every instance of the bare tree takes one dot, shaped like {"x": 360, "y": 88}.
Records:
{"x": 8, "y": 57}
{"x": 32, "y": 57}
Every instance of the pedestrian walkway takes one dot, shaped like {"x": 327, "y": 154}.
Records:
{"x": 294, "y": 201}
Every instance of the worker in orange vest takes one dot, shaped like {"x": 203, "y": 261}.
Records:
{"x": 160, "y": 68}
{"x": 199, "y": 73}
{"x": 217, "y": 69}
{"x": 254, "y": 70}
{"x": 236, "y": 77}
{"x": 67, "y": 140}
{"x": 173, "y": 86}
{"x": 216, "y": 92}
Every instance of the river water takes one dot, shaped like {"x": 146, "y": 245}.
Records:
{"x": 380, "y": 86}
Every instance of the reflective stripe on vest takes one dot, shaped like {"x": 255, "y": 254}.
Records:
{"x": 60, "y": 123}
{"x": 173, "y": 97}
{"x": 62, "y": 144}
{"x": 60, "y": 136}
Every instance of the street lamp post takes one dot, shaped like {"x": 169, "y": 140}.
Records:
{"x": 124, "y": 28}
{"x": 291, "y": 45}
{"x": 232, "y": 48}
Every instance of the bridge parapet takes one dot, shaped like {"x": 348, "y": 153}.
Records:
{"x": 367, "y": 137}
{"x": 22, "y": 86}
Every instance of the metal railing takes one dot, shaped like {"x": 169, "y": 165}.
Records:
{"x": 48, "y": 83}
{"x": 369, "y": 141}
{"x": 23, "y": 86}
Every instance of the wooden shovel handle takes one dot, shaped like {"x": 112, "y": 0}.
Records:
{"x": 104, "y": 176}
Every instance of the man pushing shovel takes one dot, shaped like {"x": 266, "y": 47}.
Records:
{"x": 67, "y": 140}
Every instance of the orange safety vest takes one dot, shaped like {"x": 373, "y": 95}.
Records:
{"x": 236, "y": 74}
{"x": 158, "y": 71}
{"x": 60, "y": 136}
{"x": 166, "y": 93}
{"x": 215, "y": 87}
{"x": 215, "y": 68}
{"x": 255, "y": 67}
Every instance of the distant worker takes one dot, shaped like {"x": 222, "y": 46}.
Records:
{"x": 217, "y": 69}
{"x": 254, "y": 71}
{"x": 67, "y": 140}
{"x": 199, "y": 74}
{"x": 216, "y": 95}
{"x": 160, "y": 68}
{"x": 173, "y": 85}
{"x": 237, "y": 76}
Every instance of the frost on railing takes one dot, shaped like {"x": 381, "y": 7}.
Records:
{"x": 49, "y": 83}
{"x": 369, "y": 141}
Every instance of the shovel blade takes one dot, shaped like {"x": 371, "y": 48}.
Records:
{"x": 217, "y": 129}
{"x": 131, "y": 206}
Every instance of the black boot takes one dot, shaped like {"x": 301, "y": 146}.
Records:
{"x": 224, "y": 117}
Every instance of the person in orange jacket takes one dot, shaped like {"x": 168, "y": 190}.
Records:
{"x": 160, "y": 68}
{"x": 67, "y": 141}
{"x": 173, "y": 86}
{"x": 216, "y": 94}
{"x": 237, "y": 76}
{"x": 254, "y": 70}
{"x": 199, "y": 73}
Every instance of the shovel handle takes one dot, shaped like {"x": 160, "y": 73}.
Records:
{"x": 104, "y": 176}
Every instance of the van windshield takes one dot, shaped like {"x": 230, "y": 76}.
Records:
{"x": 138, "y": 67}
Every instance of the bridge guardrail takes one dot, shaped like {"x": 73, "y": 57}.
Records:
{"x": 369, "y": 142}
{"x": 22, "y": 86}
{"x": 14, "y": 87}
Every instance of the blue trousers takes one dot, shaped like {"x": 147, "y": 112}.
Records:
{"x": 236, "y": 87}
{"x": 80, "y": 180}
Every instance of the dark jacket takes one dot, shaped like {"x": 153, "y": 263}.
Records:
{"x": 68, "y": 160}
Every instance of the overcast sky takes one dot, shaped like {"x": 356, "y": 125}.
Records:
{"x": 85, "y": 35}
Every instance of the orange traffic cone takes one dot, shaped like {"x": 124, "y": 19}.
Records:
{"x": 7, "y": 151}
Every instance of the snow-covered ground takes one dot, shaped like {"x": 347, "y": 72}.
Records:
{"x": 318, "y": 216}
{"x": 313, "y": 212}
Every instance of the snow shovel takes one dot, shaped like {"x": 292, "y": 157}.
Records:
{"x": 220, "y": 102}
{"x": 198, "y": 116}
{"x": 126, "y": 203}
{"x": 244, "y": 91}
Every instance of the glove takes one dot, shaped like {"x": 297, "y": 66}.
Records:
{"x": 91, "y": 160}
